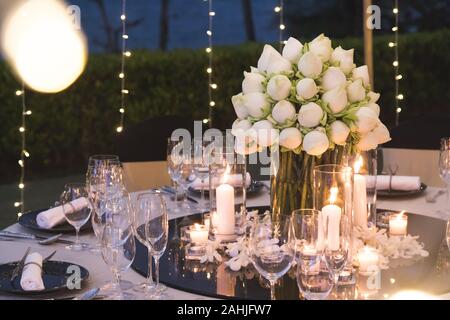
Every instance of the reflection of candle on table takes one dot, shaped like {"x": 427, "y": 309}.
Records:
{"x": 225, "y": 207}
{"x": 359, "y": 196}
{"x": 332, "y": 214}
{"x": 199, "y": 234}
{"x": 368, "y": 259}
{"x": 398, "y": 224}
{"x": 309, "y": 250}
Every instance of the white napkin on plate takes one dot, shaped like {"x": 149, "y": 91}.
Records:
{"x": 233, "y": 180}
{"x": 403, "y": 183}
{"x": 54, "y": 216}
{"x": 31, "y": 279}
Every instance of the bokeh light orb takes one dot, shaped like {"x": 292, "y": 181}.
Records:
{"x": 43, "y": 45}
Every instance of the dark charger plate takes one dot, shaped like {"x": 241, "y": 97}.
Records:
{"x": 28, "y": 220}
{"x": 220, "y": 282}
{"x": 55, "y": 276}
{"x": 401, "y": 193}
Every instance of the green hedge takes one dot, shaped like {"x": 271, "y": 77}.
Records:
{"x": 66, "y": 127}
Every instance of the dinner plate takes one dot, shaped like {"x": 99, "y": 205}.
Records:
{"x": 28, "y": 220}
{"x": 401, "y": 193}
{"x": 254, "y": 188}
{"x": 56, "y": 276}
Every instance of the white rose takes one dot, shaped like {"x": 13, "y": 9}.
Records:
{"x": 362, "y": 73}
{"x": 292, "y": 50}
{"x": 375, "y": 108}
{"x": 244, "y": 144}
{"x": 373, "y": 96}
{"x": 310, "y": 115}
{"x": 239, "y": 107}
{"x": 257, "y": 104}
{"x": 336, "y": 99}
{"x": 339, "y": 132}
{"x": 279, "y": 87}
{"x": 290, "y": 138}
{"x": 344, "y": 58}
{"x": 240, "y": 127}
{"x": 253, "y": 82}
{"x": 356, "y": 91}
{"x": 367, "y": 142}
{"x": 332, "y": 78}
{"x": 278, "y": 64}
{"x": 264, "y": 133}
{"x": 263, "y": 61}
{"x": 381, "y": 133}
{"x": 310, "y": 65}
{"x": 367, "y": 120}
{"x": 283, "y": 111}
{"x": 306, "y": 89}
{"x": 315, "y": 143}
{"x": 321, "y": 46}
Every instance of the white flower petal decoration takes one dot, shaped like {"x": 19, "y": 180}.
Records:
{"x": 290, "y": 138}
{"x": 239, "y": 107}
{"x": 367, "y": 142}
{"x": 310, "y": 65}
{"x": 373, "y": 96}
{"x": 332, "y": 78}
{"x": 339, "y": 132}
{"x": 253, "y": 82}
{"x": 240, "y": 126}
{"x": 283, "y": 111}
{"x": 263, "y": 61}
{"x": 292, "y": 50}
{"x": 375, "y": 108}
{"x": 306, "y": 89}
{"x": 279, "y": 87}
{"x": 356, "y": 91}
{"x": 336, "y": 99}
{"x": 343, "y": 58}
{"x": 310, "y": 115}
{"x": 321, "y": 46}
{"x": 367, "y": 120}
{"x": 264, "y": 133}
{"x": 315, "y": 143}
{"x": 381, "y": 133}
{"x": 257, "y": 104}
{"x": 278, "y": 64}
{"x": 362, "y": 73}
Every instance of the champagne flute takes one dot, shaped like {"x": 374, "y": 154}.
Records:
{"x": 201, "y": 168}
{"x": 157, "y": 232}
{"x": 174, "y": 158}
{"x": 271, "y": 250}
{"x": 187, "y": 177}
{"x": 77, "y": 209}
{"x": 444, "y": 171}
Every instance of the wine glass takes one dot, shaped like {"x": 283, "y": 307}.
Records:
{"x": 174, "y": 158}
{"x": 95, "y": 175}
{"x": 201, "y": 168}
{"x": 118, "y": 252}
{"x": 314, "y": 282}
{"x": 187, "y": 177}
{"x": 444, "y": 170}
{"x": 77, "y": 209}
{"x": 272, "y": 248}
{"x": 157, "y": 233}
{"x": 145, "y": 203}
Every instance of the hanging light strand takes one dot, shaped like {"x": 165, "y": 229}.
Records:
{"x": 279, "y": 9}
{"x": 24, "y": 154}
{"x": 125, "y": 54}
{"x": 209, "y": 50}
{"x": 397, "y": 77}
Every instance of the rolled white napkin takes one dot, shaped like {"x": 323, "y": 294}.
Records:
{"x": 233, "y": 180}
{"x": 54, "y": 216}
{"x": 31, "y": 279}
{"x": 403, "y": 183}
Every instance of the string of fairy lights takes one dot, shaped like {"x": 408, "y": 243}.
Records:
{"x": 397, "y": 76}
{"x": 209, "y": 50}
{"x": 125, "y": 54}
{"x": 279, "y": 9}
{"x": 24, "y": 154}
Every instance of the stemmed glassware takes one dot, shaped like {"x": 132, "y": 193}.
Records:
{"x": 77, "y": 209}
{"x": 157, "y": 233}
{"x": 272, "y": 248}
{"x": 187, "y": 177}
{"x": 444, "y": 170}
{"x": 201, "y": 167}
{"x": 174, "y": 159}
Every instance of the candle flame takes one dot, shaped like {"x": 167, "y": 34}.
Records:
{"x": 226, "y": 174}
{"x": 333, "y": 194}
{"x": 400, "y": 215}
{"x": 358, "y": 164}
{"x": 197, "y": 226}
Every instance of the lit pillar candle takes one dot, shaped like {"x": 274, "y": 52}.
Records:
{"x": 368, "y": 260}
{"x": 225, "y": 208}
{"x": 398, "y": 224}
{"x": 199, "y": 234}
{"x": 332, "y": 213}
{"x": 359, "y": 197}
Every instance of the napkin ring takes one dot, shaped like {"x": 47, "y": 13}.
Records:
{"x": 35, "y": 263}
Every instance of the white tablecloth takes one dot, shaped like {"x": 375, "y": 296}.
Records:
{"x": 100, "y": 274}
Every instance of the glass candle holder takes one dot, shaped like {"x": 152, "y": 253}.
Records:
{"x": 368, "y": 260}
{"x": 398, "y": 224}
{"x": 227, "y": 192}
{"x": 364, "y": 165}
{"x": 199, "y": 234}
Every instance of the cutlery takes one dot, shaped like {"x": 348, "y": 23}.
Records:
{"x": 18, "y": 269}
{"x": 50, "y": 240}
{"x": 55, "y": 238}
{"x": 88, "y": 295}
{"x": 48, "y": 258}
{"x": 432, "y": 198}
{"x": 171, "y": 191}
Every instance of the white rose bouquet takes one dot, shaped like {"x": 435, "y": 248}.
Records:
{"x": 309, "y": 98}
